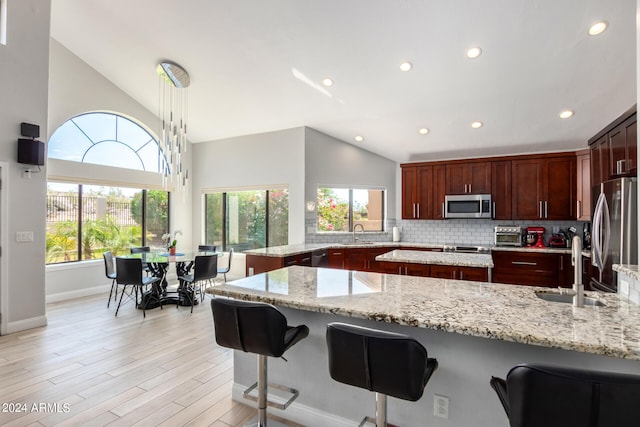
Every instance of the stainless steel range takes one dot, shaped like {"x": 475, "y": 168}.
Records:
{"x": 472, "y": 249}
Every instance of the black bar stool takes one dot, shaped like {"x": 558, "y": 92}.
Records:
{"x": 553, "y": 396}
{"x": 259, "y": 328}
{"x": 388, "y": 363}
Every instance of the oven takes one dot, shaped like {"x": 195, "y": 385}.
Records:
{"x": 508, "y": 235}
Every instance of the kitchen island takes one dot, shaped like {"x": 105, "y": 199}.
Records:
{"x": 474, "y": 329}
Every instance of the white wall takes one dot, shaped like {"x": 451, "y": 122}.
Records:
{"x": 75, "y": 88}
{"x": 273, "y": 159}
{"x": 23, "y": 89}
{"x": 332, "y": 162}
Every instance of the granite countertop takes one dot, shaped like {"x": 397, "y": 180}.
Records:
{"x": 439, "y": 258}
{"x": 632, "y": 271}
{"x": 488, "y": 310}
{"x": 289, "y": 250}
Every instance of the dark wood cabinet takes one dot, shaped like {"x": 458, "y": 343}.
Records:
{"x": 501, "y": 189}
{"x": 623, "y": 147}
{"x": 364, "y": 259}
{"x": 417, "y": 192}
{"x": 614, "y": 150}
{"x": 468, "y": 178}
{"x": 439, "y": 190}
{"x": 460, "y": 273}
{"x": 543, "y": 188}
{"x": 532, "y": 268}
{"x": 404, "y": 268}
{"x": 583, "y": 186}
{"x": 336, "y": 258}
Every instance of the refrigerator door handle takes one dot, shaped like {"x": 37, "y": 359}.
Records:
{"x": 606, "y": 228}
{"x": 596, "y": 234}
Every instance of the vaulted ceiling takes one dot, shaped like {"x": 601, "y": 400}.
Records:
{"x": 258, "y": 66}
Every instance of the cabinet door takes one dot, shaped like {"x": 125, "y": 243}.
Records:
{"x": 526, "y": 196}
{"x": 600, "y": 161}
{"x": 583, "y": 187}
{"x": 439, "y": 191}
{"x": 479, "y": 177}
{"x": 475, "y": 274}
{"x": 456, "y": 182}
{"x": 622, "y": 147}
{"x": 632, "y": 146}
{"x": 501, "y": 189}
{"x": 336, "y": 258}
{"x": 413, "y": 269}
{"x": 559, "y": 198}
{"x": 409, "y": 184}
{"x": 356, "y": 259}
{"x": 424, "y": 192}
{"x": 444, "y": 272}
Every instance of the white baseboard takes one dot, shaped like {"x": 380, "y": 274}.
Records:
{"x": 23, "y": 325}
{"x": 63, "y": 296}
{"x": 296, "y": 412}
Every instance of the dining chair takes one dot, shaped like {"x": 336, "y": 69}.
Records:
{"x": 207, "y": 248}
{"x": 110, "y": 272}
{"x": 139, "y": 250}
{"x": 204, "y": 271}
{"x": 129, "y": 273}
{"x": 225, "y": 270}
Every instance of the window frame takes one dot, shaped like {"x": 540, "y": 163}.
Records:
{"x": 350, "y": 219}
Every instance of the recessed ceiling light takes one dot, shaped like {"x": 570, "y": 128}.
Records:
{"x": 327, "y": 81}
{"x": 566, "y": 114}
{"x": 474, "y": 52}
{"x": 359, "y": 138}
{"x": 423, "y": 131}
{"x": 597, "y": 28}
{"x": 406, "y": 66}
{"x": 476, "y": 125}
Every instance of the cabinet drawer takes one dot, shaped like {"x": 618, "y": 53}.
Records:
{"x": 528, "y": 268}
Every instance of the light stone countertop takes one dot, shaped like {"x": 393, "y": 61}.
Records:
{"x": 289, "y": 250}
{"x": 632, "y": 271}
{"x": 438, "y": 258}
{"x": 489, "y": 310}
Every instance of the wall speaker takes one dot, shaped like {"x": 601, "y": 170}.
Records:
{"x": 30, "y": 152}
{"x": 29, "y": 130}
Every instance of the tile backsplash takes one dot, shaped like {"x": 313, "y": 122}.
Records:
{"x": 455, "y": 231}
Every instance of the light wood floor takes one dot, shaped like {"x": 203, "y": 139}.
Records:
{"x": 89, "y": 368}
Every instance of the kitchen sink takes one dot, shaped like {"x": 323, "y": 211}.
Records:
{"x": 555, "y": 297}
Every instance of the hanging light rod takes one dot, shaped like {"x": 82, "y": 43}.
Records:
{"x": 174, "y": 74}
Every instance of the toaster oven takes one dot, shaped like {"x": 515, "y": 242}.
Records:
{"x": 508, "y": 235}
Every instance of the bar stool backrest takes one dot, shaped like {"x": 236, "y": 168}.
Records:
{"x": 385, "y": 362}
{"x": 252, "y": 327}
{"x": 553, "y": 396}
{"x": 206, "y": 248}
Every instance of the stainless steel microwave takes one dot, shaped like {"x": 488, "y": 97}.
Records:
{"x": 468, "y": 206}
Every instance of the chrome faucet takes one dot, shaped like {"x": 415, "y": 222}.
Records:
{"x": 576, "y": 261}
{"x": 354, "y": 231}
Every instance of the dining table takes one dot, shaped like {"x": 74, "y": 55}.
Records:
{"x": 157, "y": 263}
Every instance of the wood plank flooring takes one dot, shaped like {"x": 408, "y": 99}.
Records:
{"x": 89, "y": 368}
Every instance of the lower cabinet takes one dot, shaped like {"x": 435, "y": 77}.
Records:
{"x": 364, "y": 259}
{"x": 460, "y": 273}
{"x": 531, "y": 268}
{"x": 405, "y": 268}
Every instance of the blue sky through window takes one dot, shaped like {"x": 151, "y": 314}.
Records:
{"x": 105, "y": 139}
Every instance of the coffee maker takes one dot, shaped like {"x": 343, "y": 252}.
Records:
{"x": 535, "y": 237}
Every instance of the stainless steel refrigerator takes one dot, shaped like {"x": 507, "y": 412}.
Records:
{"x": 614, "y": 237}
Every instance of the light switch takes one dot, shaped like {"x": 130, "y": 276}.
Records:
{"x": 24, "y": 236}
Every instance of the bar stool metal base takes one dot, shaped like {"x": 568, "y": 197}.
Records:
{"x": 381, "y": 413}
{"x": 263, "y": 386}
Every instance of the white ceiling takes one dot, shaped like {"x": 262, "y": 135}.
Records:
{"x": 256, "y": 66}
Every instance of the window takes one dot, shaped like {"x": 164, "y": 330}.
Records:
{"x": 83, "y": 221}
{"x": 247, "y": 219}
{"x": 105, "y": 139}
{"x": 340, "y": 209}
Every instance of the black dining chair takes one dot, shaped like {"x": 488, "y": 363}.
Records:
{"x": 205, "y": 269}
{"x": 225, "y": 270}
{"x": 110, "y": 272}
{"x": 553, "y": 396}
{"x": 139, "y": 250}
{"x": 129, "y": 273}
{"x": 207, "y": 248}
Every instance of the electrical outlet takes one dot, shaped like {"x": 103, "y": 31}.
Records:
{"x": 24, "y": 236}
{"x": 441, "y": 406}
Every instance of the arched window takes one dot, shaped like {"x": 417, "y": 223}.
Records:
{"x": 105, "y": 139}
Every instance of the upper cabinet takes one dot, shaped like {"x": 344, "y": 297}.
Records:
{"x": 614, "y": 149}
{"x": 543, "y": 188}
{"x": 468, "y": 178}
{"x": 422, "y": 191}
{"x": 583, "y": 186}
{"x": 501, "y": 189}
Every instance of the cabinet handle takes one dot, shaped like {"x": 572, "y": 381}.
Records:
{"x": 442, "y": 210}
{"x": 523, "y": 263}
{"x": 414, "y": 210}
{"x": 461, "y": 276}
{"x": 337, "y": 253}
{"x": 465, "y": 188}
{"x": 400, "y": 270}
{"x": 579, "y": 209}
{"x": 469, "y": 188}
{"x": 546, "y": 209}
{"x": 540, "y": 209}
{"x": 493, "y": 214}
{"x": 418, "y": 204}
{"x": 306, "y": 259}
